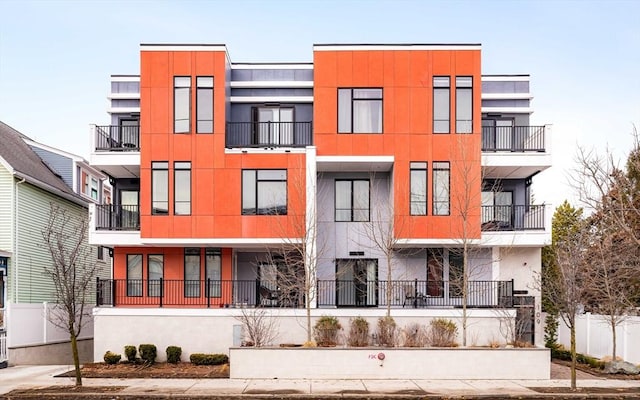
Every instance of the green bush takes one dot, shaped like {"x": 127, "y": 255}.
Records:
{"x": 386, "y": 331}
{"x": 565, "y": 355}
{"x": 148, "y": 353}
{"x": 358, "y": 332}
{"x": 325, "y": 331}
{"x": 173, "y": 354}
{"x": 111, "y": 358}
{"x": 130, "y": 352}
{"x": 551, "y": 331}
{"x": 443, "y": 333}
{"x": 208, "y": 359}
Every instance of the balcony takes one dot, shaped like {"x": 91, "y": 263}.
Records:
{"x": 513, "y": 217}
{"x": 330, "y": 293}
{"x": 513, "y": 138}
{"x": 268, "y": 134}
{"x": 117, "y": 138}
{"x": 111, "y": 217}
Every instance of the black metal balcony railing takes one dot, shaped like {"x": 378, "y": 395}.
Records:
{"x": 118, "y": 138}
{"x": 113, "y": 217}
{"x": 513, "y": 138}
{"x": 512, "y": 218}
{"x": 330, "y": 293}
{"x": 269, "y": 134}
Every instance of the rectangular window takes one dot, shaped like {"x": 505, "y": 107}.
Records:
{"x": 134, "y": 274}
{"x": 181, "y": 104}
{"x": 441, "y": 174}
{"x": 204, "y": 104}
{"x": 464, "y": 103}
{"x": 100, "y": 255}
{"x": 418, "y": 195}
{"x": 155, "y": 272}
{"x": 456, "y": 273}
{"x": 359, "y": 110}
{"x": 191, "y": 272}
{"x": 159, "y": 188}
{"x": 264, "y": 192}
{"x": 213, "y": 271}
{"x": 182, "y": 188}
{"x": 352, "y": 200}
{"x": 94, "y": 188}
{"x": 85, "y": 183}
{"x": 441, "y": 104}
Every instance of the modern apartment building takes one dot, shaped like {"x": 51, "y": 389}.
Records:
{"x": 219, "y": 169}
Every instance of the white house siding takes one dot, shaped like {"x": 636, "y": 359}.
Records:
{"x": 6, "y": 219}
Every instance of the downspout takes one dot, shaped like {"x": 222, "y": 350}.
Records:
{"x": 16, "y": 236}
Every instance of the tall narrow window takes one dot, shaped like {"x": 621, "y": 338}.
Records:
{"x": 94, "y": 188}
{"x": 213, "y": 271}
{"x": 134, "y": 274}
{"x": 204, "y": 104}
{"x": 191, "y": 272}
{"x": 418, "y": 195}
{"x": 182, "y": 188}
{"x": 159, "y": 187}
{"x": 359, "y": 110}
{"x": 352, "y": 200}
{"x": 441, "y": 104}
{"x": 155, "y": 272}
{"x": 264, "y": 192}
{"x": 181, "y": 104}
{"x": 464, "y": 102}
{"x": 441, "y": 188}
{"x": 456, "y": 273}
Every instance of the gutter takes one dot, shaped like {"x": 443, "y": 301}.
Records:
{"x": 45, "y": 186}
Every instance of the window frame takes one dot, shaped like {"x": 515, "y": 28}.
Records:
{"x": 419, "y": 166}
{"x": 175, "y": 91}
{"x": 215, "y": 286}
{"x": 433, "y": 105}
{"x": 198, "y": 88}
{"x": 152, "y": 282}
{"x": 435, "y": 168}
{"x": 159, "y": 168}
{"x": 257, "y": 193}
{"x": 335, "y": 200}
{"x": 180, "y": 166}
{"x": 136, "y": 283}
{"x": 352, "y": 101}
{"x": 459, "y": 89}
{"x": 191, "y": 285}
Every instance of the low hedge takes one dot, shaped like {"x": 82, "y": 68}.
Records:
{"x": 173, "y": 354}
{"x": 565, "y": 355}
{"x": 148, "y": 353}
{"x": 208, "y": 359}
{"x": 130, "y": 352}
{"x": 111, "y": 358}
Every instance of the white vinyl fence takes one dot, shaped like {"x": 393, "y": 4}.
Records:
{"x": 28, "y": 325}
{"x": 593, "y": 337}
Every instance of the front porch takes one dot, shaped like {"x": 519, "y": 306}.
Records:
{"x": 328, "y": 294}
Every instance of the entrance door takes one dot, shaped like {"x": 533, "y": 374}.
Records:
{"x": 497, "y": 134}
{"x": 357, "y": 282}
{"x": 129, "y": 133}
{"x": 130, "y": 214}
{"x": 275, "y": 125}
{"x": 525, "y": 318}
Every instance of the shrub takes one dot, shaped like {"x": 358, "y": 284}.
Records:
{"x": 325, "y": 331}
{"x": 386, "y": 331}
{"x": 562, "y": 354}
{"x": 551, "y": 331}
{"x": 443, "y": 333}
{"x": 173, "y": 354}
{"x": 414, "y": 335}
{"x": 208, "y": 359}
{"x": 111, "y": 358}
{"x": 358, "y": 332}
{"x": 130, "y": 352}
{"x": 148, "y": 353}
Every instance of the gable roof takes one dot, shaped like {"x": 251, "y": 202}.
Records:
{"x": 28, "y": 165}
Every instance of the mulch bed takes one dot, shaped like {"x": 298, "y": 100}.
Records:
{"x": 159, "y": 370}
{"x": 590, "y": 390}
{"x": 597, "y": 372}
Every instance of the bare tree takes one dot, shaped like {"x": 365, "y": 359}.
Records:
{"x": 72, "y": 273}
{"x": 567, "y": 285}
{"x": 260, "y": 327}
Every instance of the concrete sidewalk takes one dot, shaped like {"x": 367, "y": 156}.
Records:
{"x": 31, "y": 377}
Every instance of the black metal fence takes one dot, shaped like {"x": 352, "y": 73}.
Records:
{"x": 513, "y": 138}
{"x": 114, "y": 217}
{"x": 513, "y": 217}
{"x": 269, "y": 134}
{"x": 118, "y": 138}
{"x": 330, "y": 293}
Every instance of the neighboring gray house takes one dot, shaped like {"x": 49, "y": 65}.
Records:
{"x": 32, "y": 176}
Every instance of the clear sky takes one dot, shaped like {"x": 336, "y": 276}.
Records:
{"x": 583, "y": 56}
